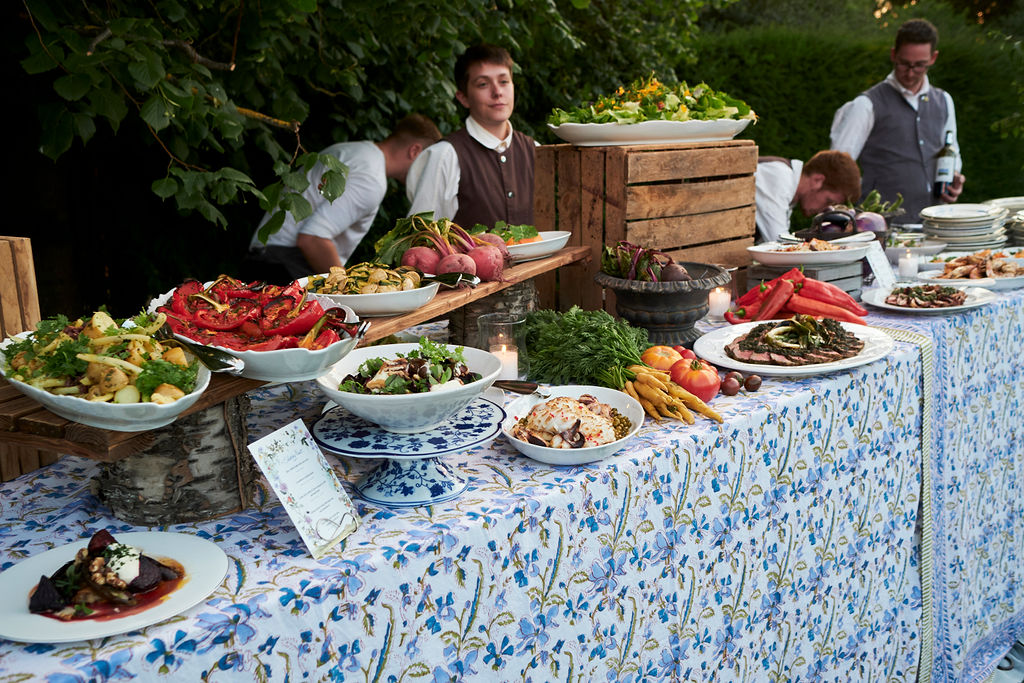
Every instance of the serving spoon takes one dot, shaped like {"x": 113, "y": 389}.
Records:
{"x": 452, "y": 280}
{"x": 214, "y": 359}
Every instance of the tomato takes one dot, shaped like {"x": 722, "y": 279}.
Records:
{"x": 685, "y": 352}
{"x": 660, "y": 357}
{"x": 697, "y": 377}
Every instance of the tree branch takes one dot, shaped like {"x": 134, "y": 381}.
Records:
{"x": 269, "y": 120}
{"x": 196, "y": 57}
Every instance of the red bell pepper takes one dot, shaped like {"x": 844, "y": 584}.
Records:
{"x": 830, "y": 294}
{"x": 780, "y": 293}
{"x": 180, "y": 297}
{"x": 226, "y": 288}
{"x": 734, "y": 319}
{"x": 289, "y": 314}
{"x": 213, "y": 315}
{"x": 808, "y": 306}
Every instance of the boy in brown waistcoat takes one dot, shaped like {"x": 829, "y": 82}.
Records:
{"x": 483, "y": 172}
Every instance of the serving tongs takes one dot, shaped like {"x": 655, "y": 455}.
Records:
{"x": 517, "y": 386}
{"x": 452, "y": 280}
{"x": 214, "y": 359}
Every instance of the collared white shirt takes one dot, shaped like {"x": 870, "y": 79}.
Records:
{"x": 775, "y": 186}
{"x": 432, "y": 183}
{"x": 853, "y": 122}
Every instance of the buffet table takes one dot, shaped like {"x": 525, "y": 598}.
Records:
{"x": 781, "y": 545}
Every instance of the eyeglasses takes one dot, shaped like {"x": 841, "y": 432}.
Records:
{"x": 912, "y": 66}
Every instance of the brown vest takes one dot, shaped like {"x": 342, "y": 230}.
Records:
{"x": 494, "y": 186}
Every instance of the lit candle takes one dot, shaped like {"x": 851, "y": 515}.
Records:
{"x": 509, "y": 357}
{"x": 718, "y": 302}
{"x": 908, "y": 265}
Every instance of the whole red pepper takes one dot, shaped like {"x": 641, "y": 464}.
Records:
{"x": 806, "y": 305}
{"x": 734, "y": 319}
{"x": 830, "y": 294}
{"x": 780, "y": 293}
{"x": 759, "y": 292}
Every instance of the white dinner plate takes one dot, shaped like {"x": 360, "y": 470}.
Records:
{"x": 205, "y": 565}
{"x": 550, "y": 242}
{"x": 961, "y": 212}
{"x": 1009, "y": 203}
{"x": 976, "y": 296}
{"x": 931, "y": 277}
{"x": 648, "y": 132}
{"x": 768, "y": 253}
{"x": 711, "y": 347}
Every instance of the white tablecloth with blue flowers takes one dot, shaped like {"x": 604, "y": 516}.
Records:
{"x": 778, "y": 546}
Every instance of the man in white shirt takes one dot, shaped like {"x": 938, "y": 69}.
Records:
{"x": 828, "y": 178}
{"x": 484, "y": 172}
{"x": 330, "y": 235}
{"x": 896, "y": 128}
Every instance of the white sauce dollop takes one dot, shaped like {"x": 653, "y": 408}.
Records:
{"x": 447, "y": 386}
{"x": 124, "y": 560}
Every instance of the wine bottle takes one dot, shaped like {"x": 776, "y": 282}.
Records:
{"x": 944, "y": 166}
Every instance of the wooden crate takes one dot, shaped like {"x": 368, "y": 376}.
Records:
{"x": 19, "y": 301}
{"x": 846, "y": 276}
{"x": 694, "y": 201}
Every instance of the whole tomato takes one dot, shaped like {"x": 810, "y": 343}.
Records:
{"x": 660, "y": 357}
{"x": 697, "y": 377}
{"x": 685, "y": 352}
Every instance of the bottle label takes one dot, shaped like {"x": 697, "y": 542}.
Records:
{"x": 944, "y": 170}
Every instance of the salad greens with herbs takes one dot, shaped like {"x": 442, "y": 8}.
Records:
{"x": 418, "y": 371}
{"x": 647, "y": 99}
{"x": 512, "y": 234}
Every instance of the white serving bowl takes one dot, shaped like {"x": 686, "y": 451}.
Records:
{"x": 622, "y": 402}
{"x": 379, "y": 303}
{"x": 121, "y": 417}
{"x": 550, "y": 242}
{"x": 282, "y": 365}
{"x": 408, "y": 413}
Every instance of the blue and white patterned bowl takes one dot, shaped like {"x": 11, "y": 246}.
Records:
{"x": 408, "y": 413}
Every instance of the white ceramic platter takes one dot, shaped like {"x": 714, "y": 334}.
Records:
{"x": 976, "y": 296}
{"x": 768, "y": 253}
{"x": 648, "y": 132}
{"x": 205, "y": 568}
{"x": 622, "y": 402}
{"x": 120, "y": 417}
{"x": 550, "y": 242}
{"x": 380, "y": 303}
{"x": 961, "y": 212}
{"x": 711, "y": 347}
{"x": 931, "y": 277}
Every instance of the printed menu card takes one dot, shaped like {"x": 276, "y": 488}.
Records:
{"x": 307, "y": 486}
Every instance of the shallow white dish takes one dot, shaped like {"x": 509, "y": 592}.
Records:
{"x": 711, "y": 347}
{"x": 205, "y": 565}
{"x": 648, "y": 132}
{"x": 550, "y": 242}
{"x": 768, "y": 253}
{"x": 381, "y": 303}
{"x": 520, "y": 407}
{"x": 931, "y": 277}
{"x": 120, "y": 417}
{"x": 976, "y": 296}
{"x": 952, "y": 213}
{"x": 927, "y": 248}
{"x": 408, "y": 413}
{"x": 282, "y": 365}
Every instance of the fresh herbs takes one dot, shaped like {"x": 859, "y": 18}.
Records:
{"x": 582, "y": 347}
{"x": 157, "y": 372}
{"x": 511, "y": 234}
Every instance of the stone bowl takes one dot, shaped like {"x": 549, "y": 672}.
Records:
{"x": 667, "y": 310}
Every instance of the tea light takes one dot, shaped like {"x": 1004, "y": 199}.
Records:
{"x": 509, "y": 357}
{"x": 908, "y": 265}
{"x": 718, "y": 302}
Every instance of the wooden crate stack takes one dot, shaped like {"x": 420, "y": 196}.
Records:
{"x": 694, "y": 201}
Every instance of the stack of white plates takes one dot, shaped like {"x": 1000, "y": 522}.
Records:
{"x": 966, "y": 226}
{"x": 1015, "y": 228}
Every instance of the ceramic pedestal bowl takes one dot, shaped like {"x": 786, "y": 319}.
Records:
{"x": 667, "y": 310}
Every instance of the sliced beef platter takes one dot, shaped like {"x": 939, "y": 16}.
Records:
{"x": 801, "y": 341}
{"x": 926, "y": 296}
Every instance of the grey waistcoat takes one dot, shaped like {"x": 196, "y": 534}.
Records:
{"x": 899, "y": 154}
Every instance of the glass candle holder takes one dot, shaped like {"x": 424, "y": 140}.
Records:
{"x": 719, "y": 300}
{"x": 503, "y": 334}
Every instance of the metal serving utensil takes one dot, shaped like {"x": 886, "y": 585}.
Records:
{"x": 453, "y": 280}
{"x": 214, "y": 359}
{"x": 517, "y": 386}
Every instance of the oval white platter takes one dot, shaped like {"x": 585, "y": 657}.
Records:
{"x": 649, "y": 132}
{"x": 768, "y": 253}
{"x": 976, "y": 296}
{"x": 550, "y": 242}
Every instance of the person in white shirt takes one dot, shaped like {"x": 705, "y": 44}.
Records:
{"x": 828, "y": 178}
{"x": 330, "y": 235}
{"x": 896, "y": 128}
{"x": 484, "y": 172}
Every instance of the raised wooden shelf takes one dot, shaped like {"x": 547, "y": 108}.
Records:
{"x": 24, "y": 422}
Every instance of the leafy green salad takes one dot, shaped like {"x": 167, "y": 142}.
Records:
{"x": 431, "y": 367}
{"x": 650, "y": 100}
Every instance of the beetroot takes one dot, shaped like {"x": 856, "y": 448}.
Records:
{"x": 489, "y": 262}
{"x": 496, "y": 240}
{"x": 423, "y": 258}
{"x": 456, "y": 263}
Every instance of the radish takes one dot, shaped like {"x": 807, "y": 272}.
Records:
{"x": 491, "y": 238}
{"x": 423, "y": 258}
{"x": 456, "y": 263}
{"x": 489, "y": 262}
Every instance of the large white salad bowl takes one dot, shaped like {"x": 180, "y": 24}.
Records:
{"x": 408, "y": 413}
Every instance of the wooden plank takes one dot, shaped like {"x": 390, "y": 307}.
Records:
{"x": 136, "y": 444}
{"x": 545, "y": 217}
{"x": 727, "y": 254}
{"x": 681, "y": 164}
{"x": 694, "y": 229}
{"x": 10, "y": 464}
{"x": 28, "y": 296}
{"x": 615, "y": 211}
{"x": 594, "y": 162}
{"x": 675, "y": 199}
{"x": 10, "y": 311}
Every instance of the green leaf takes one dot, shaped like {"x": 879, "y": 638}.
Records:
{"x": 110, "y": 104}
{"x": 271, "y": 226}
{"x": 332, "y": 184}
{"x": 41, "y": 61}
{"x": 303, "y": 5}
{"x": 147, "y": 71}
{"x": 85, "y": 127}
{"x": 297, "y": 205}
{"x": 154, "y": 112}
{"x": 72, "y": 86}
{"x": 164, "y": 187}
{"x": 230, "y": 128}
{"x": 57, "y": 131}
{"x": 212, "y": 214}
{"x": 271, "y": 196}
{"x": 234, "y": 174}
{"x": 296, "y": 180}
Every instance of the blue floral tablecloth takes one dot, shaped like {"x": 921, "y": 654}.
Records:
{"x": 777, "y": 546}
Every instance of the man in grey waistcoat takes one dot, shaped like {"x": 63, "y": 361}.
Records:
{"x": 896, "y": 128}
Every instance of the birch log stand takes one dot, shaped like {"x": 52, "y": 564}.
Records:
{"x": 198, "y": 467}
